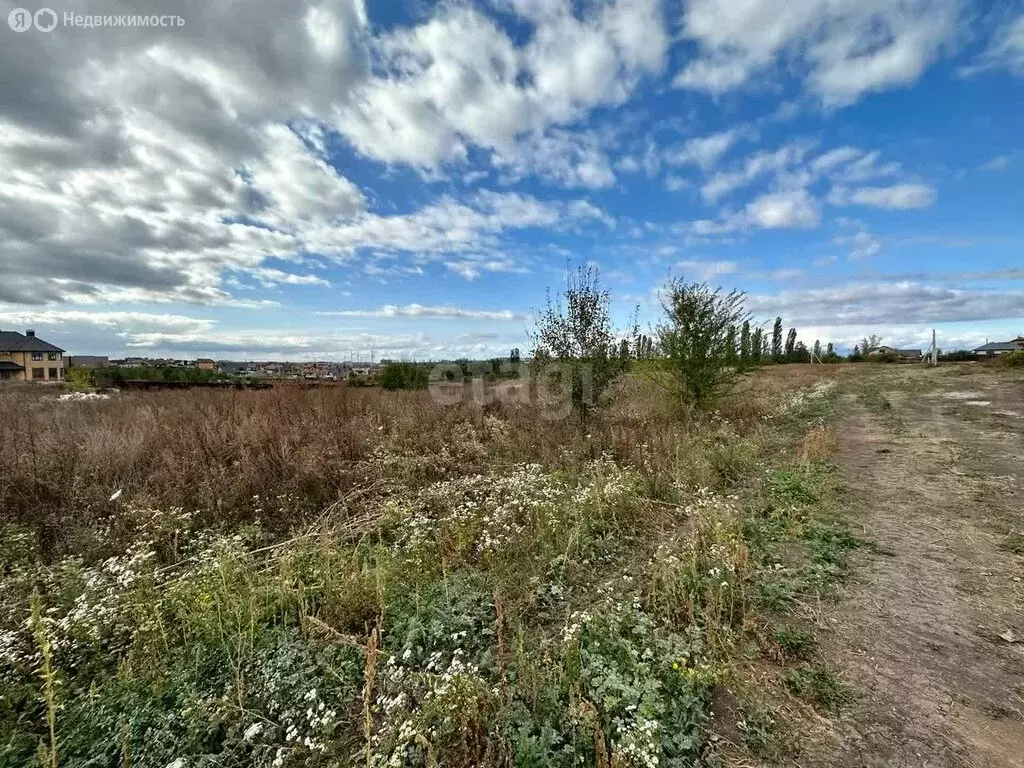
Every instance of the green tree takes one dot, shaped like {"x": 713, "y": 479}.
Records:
{"x": 817, "y": 349}
{"x": 404, "y": 376}
{"x": 790, "y": 345}
{"x": 580, "y": 340}
{"x": 777, "y": 340}
{"x": 745, "y": 355}
{"x": 730, "y": 345}
{"x": 694, "y": 338}
{"x": 757, "y": 343}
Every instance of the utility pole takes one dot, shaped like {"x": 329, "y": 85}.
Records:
{"x": 935, "y": 350}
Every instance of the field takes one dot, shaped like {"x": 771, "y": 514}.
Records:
{"x": 824, "y": 570}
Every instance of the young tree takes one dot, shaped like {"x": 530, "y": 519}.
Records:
{"x": 870, "y": 343}
{"x": 745, "y": 355}
{"x": 791, "y": 345}
{"x": 694, "y": 339}
{"x": 757, "y": 344}
{"x": 581, "y": 340}
{"x": 777, "y": 340}
{"x": 817, "y": 349}
{"x": 730, "y": 345}
{"x": 513, "y": 357}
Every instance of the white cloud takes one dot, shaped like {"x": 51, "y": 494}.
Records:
{"x": 845, "y": 48}
{"x": 997, "y": 163}
{"x": 269, "y": 277}
{"x": 433, "y": 99}
{"x": 895, "y": 197}
{"x": 704, "y": 151}
{"x": 862, "y": 244}
{"x": 446, "y": 312}
{"x": 888, "y": 302}
{"x": 1005, "y": 51}
{"x": 782, "y": 210}
{"x": 707, "y": 270}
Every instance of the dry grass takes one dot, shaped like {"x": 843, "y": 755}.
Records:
{"x": 819, "y": 444}
{"x": 284, "y": 455}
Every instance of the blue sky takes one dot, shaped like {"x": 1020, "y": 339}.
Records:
{"x": 323, "y": 180}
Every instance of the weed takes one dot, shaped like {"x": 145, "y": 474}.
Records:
{"x": 818, "y": 686}
{"x": 762, "y": 734}
{"x": 793, "y": 642}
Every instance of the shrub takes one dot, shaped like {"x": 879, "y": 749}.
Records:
{"x": 576, "y": 347}
{"x": 404, "y": 376}
{"x": 696, "y": 339}
{"x": 1013, "y": 359}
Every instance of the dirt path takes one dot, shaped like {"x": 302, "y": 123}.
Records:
{"x": 934, "y": 463}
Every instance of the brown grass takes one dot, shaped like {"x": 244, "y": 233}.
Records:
{"x": 284, "y": 455}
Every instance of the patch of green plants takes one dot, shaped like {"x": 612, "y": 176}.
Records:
{"x": 819, "y": 686}
{"x": 794, "y": 642}
{"x": 794, "y": 485}
{"x": 762, "y": 734}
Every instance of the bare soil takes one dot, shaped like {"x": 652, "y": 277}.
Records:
{"x": 930, "y": 633}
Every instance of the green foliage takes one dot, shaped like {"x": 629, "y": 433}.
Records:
{"x": 697, "y": 339}
{"x": 1012, "y": 359}
{"x": 576, "y": 348}
{"x": 795, "y": 643}
{"x": 777, "y": 340}
{"x": 405, "y": 376}
{"x": 818, "y": 686}
{"x": 761, "y": 732}
{"x": 78, "y": 379}
{"x": 113, "y": 375}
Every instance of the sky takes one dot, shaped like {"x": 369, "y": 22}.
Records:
{"x": 282, "y": 179}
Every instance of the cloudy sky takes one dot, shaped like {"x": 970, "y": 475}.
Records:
{"x": 316, "y": 180}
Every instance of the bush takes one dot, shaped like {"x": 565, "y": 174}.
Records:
{"x": 404, "y": 376}
{"x": 697, "y": 340}
{"x": 1013, "y": 359}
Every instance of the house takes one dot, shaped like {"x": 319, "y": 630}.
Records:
{"x": 1000, "y": 347}
{"x": 206, "y": 364}
{"x": 912, "y": 355}
{"x": 29, "y": 358}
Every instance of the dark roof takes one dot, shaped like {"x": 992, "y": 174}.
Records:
{"x": 12, "y": 341}
{"x": 7, "y": 365}
{"x": 909, "y": 352}
{"x": 996, "y": 346}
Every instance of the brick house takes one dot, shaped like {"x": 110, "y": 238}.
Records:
{"x": 29, "y": 358}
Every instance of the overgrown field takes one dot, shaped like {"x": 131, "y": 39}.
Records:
{"x": 357, "y": 577}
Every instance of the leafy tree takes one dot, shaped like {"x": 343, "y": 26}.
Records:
{"x": 513, "y": 357}
{"x": 817, "y": 349}
{"x": 791, "y": 345}
{"x": 404, "y": 376}
{"x": 695, "y": 337}
{"x": 757, "y": 344}
{"x": 800, "y": 353}
{"x": 869, "y": 343}
{"x": 745, "y": 355}
{"x": 581, "y": 340}
{"x": 730, "y": 344}
{"x": 830, "y": 350}
{"x": 777, "y": 340}
{"x": 624, "y": 349}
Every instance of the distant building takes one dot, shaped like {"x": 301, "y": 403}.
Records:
{"x": 88, "y": 361}
{"x": 1000, "y": 347}
{"x": 29, "y": 358}
{"x": 910, "y": 355}
{"x": 206, "y": 364}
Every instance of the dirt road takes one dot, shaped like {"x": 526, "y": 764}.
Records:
{"x": 930, "y": 635}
